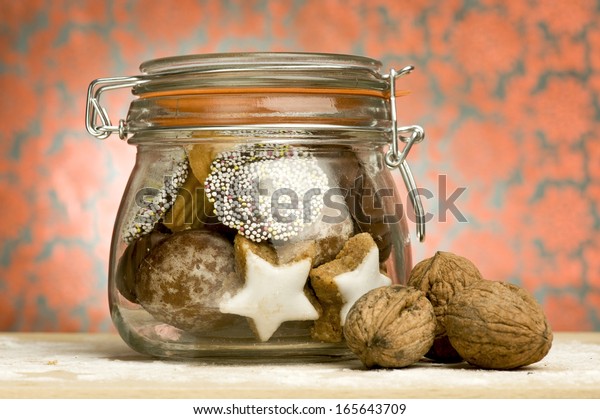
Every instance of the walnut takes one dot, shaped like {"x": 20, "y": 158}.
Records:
{"x": 440, "y": 277}
{"x": 497, "y": 325}
{"x": 390, "y": 327}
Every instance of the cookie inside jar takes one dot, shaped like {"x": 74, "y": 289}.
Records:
{"x": 257, "y": 242}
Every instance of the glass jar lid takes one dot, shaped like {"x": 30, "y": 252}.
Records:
{"x": 350, "y": 93}
{"x": 256, "y": 59}
{"x": 289, "y": 71}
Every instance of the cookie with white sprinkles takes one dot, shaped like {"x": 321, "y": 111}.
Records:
{"x": 266, "y": 192}
{"x": 154, "y": 209}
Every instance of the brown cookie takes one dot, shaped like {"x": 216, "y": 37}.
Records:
{"x": 130, "y": 261}
{"x": 370, "y": 206}
{"x": 182, "y": 281}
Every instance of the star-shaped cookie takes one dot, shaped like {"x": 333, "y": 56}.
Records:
{"x": 339, "y": 283}
{"x": 272, "y": 293}
{"x": 354, "y": 284}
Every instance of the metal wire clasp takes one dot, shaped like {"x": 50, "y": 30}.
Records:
{"x": 394, "y": 158}
{"x": 97, "y": 121}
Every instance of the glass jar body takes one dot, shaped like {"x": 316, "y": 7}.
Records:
{"x": 231, "y": 244}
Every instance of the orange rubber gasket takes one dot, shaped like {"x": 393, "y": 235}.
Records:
{"x": 250, "y": 90}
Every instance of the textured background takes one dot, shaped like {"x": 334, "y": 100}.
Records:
{"x": 507, "y": 91}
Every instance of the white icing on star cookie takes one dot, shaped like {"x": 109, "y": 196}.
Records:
{"x": 272, "y": 294}
{"x": 354, "y": 284}
{"x": 339, "y": 283}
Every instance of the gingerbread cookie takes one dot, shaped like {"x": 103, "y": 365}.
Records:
{"x": 132, "y": 257}
{"x": 191, "y": 207}
{"x": 186, "y": 211}
{"x": 182, "y": 280}
{"x": 372, "y": 208}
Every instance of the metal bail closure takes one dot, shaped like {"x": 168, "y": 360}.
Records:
{"x": 97, "y": 121}
{"x": 395, "y": 158}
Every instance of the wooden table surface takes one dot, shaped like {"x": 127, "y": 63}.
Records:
{"x": 102, "y": 366}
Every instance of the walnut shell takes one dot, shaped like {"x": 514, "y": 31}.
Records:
{"x": 498, "y": 325}
{"x": 440, "y": 277}
{"x": 390, "y": 327}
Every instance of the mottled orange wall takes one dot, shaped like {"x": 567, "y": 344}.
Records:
{"x": 507, "y": 91}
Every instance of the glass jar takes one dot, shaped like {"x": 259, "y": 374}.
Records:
{"x": 261, "y": 204}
